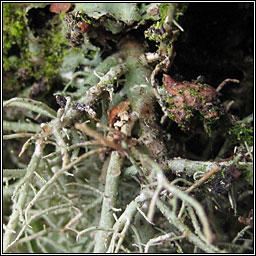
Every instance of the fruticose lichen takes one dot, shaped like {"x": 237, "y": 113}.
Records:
{"x": 102, "y": 169}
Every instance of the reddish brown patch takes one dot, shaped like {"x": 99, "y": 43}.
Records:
{"x": 247, "y": 221}
{"x": 60, "y": 7}
{"x": 187, "y": 97}
{"x": 214, "y": 114}
{"x": 121, "y": 107}
{"x": 147, "y": 111}
{"x": 84, "y": 27}
{"x": 171, "y": 84}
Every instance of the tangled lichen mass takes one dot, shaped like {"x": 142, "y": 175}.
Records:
{"x": 108, "y": 146}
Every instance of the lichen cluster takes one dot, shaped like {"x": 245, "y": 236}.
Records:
{"x": 105, "y": 167}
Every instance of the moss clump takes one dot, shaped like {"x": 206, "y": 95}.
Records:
{"x": 52, "y": 56}
{"x": 160, "y": 30}
{"x": 209, "y": 124}
{"x": 195, "y": 92}
{"x": 14, "y": 29}
{"x": 30, "y": 54}
{"x": 14, "y": 46}
{"x": 241, "y": 133}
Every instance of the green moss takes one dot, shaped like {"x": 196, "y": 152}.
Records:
{"x": 248, "y": 175}
{"x": 209, "y": 122}
{"x": 241, "y": 133}
{"x": 171, "y": 116}
{"x": 223, "y": 172}
{"x": 14, "y": 34}
{"x": 140, "y": 132}
{"x": 14, "y": 28}
{"x": 163, "y": 12}
{"x": 189, "y": 114}
{"x": 181, "y": 9}
{"x": 39, "y": 55}
{"x": 169, "y": 100}
{"x": 195, "y": 92}
{"x": 52, "y": 56}
{"x": 212, "y": 177}
{"x": 154, "y": 33}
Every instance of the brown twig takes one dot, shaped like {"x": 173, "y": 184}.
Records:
{"x": 203, "y": 179}
{"x": 221, "y": 85}
{"x": 84, "y": 128}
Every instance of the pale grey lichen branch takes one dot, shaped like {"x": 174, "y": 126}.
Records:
{"x": 35, "y": 235}
{"x": 195, "y": 223}
{"x": 147, "y": 171}
{"x": 128, "y": 214}
{"x": 106, "y": 83}
{"x": 14, "y": 173}
{"x": 122, "y": 235}
{"x": 18, "y": 135}
{"x": 57, "y": 175}
{"x": 21, "y": 199}
{"x": 61, "y": 143}
{"x": 162, "y": 239}
{"x": 32, "y": 105}
{"x": 157, "y": 173}
{"x": 190, "y": 167}
{"x": 34, "y": 217}
{"x": 109, "y": 201}
{"x": 20, "y": 126}
{"x": 110, "y": 197}
{"x": 172, "y": 218}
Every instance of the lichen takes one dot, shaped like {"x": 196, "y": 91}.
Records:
{"x": 110, "y": 138}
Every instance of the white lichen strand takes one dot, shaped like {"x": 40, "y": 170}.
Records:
{"x": 20, "y": 199}
{"x": 106, "y": 83}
